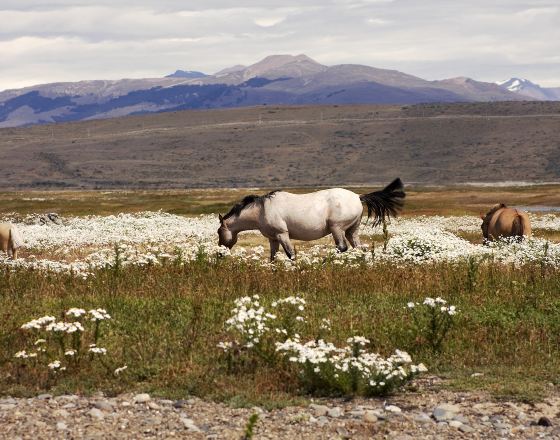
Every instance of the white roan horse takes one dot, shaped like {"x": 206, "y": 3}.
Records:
{"x": 281, "y": 216}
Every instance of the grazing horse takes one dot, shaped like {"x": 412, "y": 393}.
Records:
{"x": 502, "y": 221}
{"x": 281, "y": 216}
{"x": 10, "y": 239}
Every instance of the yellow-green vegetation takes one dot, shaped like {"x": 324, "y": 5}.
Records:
{"x": 460, "y": 200}
{"x": 167, "y": 322}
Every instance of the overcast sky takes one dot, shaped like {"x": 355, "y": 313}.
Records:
{"x": 69, "y": 40}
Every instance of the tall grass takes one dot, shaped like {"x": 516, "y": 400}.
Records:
{"x": 167, "y": 322}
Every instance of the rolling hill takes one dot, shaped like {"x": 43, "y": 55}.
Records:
{"x": 290, "y": 146}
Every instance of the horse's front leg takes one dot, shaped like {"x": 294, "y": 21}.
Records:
{"x": 284, "y": 240}
{"x": 274, "y": 246}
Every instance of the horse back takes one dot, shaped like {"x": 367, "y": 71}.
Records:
{"x": 509, "y": 222}
{"x": 311, "y": 216}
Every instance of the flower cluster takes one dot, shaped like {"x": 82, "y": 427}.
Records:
{"x": 61, "y": 342}
{"x": 431, "y": 321}
{"x": 249, "y": 321}
{"x": 324, "y": 366}
{"x": 99, "y": 314}
{"x": 351, "y": 369}
{"x": 435, "y": 303}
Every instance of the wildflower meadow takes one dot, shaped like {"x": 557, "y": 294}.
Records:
{"x": 148, "y": 301}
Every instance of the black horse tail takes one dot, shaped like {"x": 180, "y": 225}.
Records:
{"x": 385, "y": 203}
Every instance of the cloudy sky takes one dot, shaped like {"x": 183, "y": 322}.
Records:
{"x": 69, "y": 40}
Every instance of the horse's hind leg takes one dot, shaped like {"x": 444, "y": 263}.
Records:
{"x": 14, "y": 253}
{"x": 284, "y": 240}
{"x": 338, "y": 235}
{"x": 353, "y": 235}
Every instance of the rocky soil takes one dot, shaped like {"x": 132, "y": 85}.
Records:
{"x": 427, "y": 414}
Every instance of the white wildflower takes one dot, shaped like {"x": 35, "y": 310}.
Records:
{"x": 54, "y": 365}
{"x": 120, "y": 370}
{"x": 99, "y": 314}
{"x": 97, "y": 350}
{"x": 75, "y": 312}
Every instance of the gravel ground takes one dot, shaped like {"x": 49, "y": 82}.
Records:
{"x": 427, "y": 414}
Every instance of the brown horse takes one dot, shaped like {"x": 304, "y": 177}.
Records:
{"x": 10, "y": 239}
{"x": 502, "y": 221}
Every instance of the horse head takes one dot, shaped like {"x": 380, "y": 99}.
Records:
{"x": 225, "y": 236}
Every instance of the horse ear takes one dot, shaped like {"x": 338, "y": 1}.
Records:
{"x": 221, "y": 218}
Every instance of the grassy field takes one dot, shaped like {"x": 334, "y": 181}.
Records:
{"x": 168, "y": 320}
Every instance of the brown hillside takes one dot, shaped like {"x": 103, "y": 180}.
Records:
{"x": 290, "y": 147}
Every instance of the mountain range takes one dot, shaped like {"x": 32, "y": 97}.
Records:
{"x": 277, "y": 79}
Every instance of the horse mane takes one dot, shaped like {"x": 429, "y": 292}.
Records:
{"x": 248, "y": 201}
{"x": 495, "y": 208}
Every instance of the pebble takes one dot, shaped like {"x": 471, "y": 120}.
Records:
{"x": 44, "y": 396}
{"x": 343, "y": 432}
{"x": 544, "y": 421}
{"x": 461, "y": 419}
{"x": 455, "y": 423}
{"x": 445, "y": 412}
{"x": 141, "y": 398}
{"x": 61, "y": 413}
{"x": 370, "y": 417}
{"x": 180, "y": 403}
{"x": 500, "y": 425}
{"x": 96, "y": 413}
{"x": 153, "y": 405}
{"x": 423, "y": 418}
{"x": 335, "y": 412}
{"x": 189, "y": 424}
{"x": 103, "y": 405}
{"x": 466, "y": 428}
{"x": 357, "y": 413}
{"x": 319, "y": 410}
{"x": 61, "y": 426}
{"x": 393, "y": 409}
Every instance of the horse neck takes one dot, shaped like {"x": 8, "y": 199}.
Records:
{"x": 248, "y": 219}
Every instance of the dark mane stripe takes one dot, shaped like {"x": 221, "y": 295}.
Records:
{"x": 495, "y": 208}
{"x": 247, "y": 201}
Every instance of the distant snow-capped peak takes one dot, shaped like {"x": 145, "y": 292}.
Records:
{"x": 516, "y": 84}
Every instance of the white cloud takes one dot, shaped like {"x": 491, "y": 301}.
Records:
{"x": 269, "y": 21}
